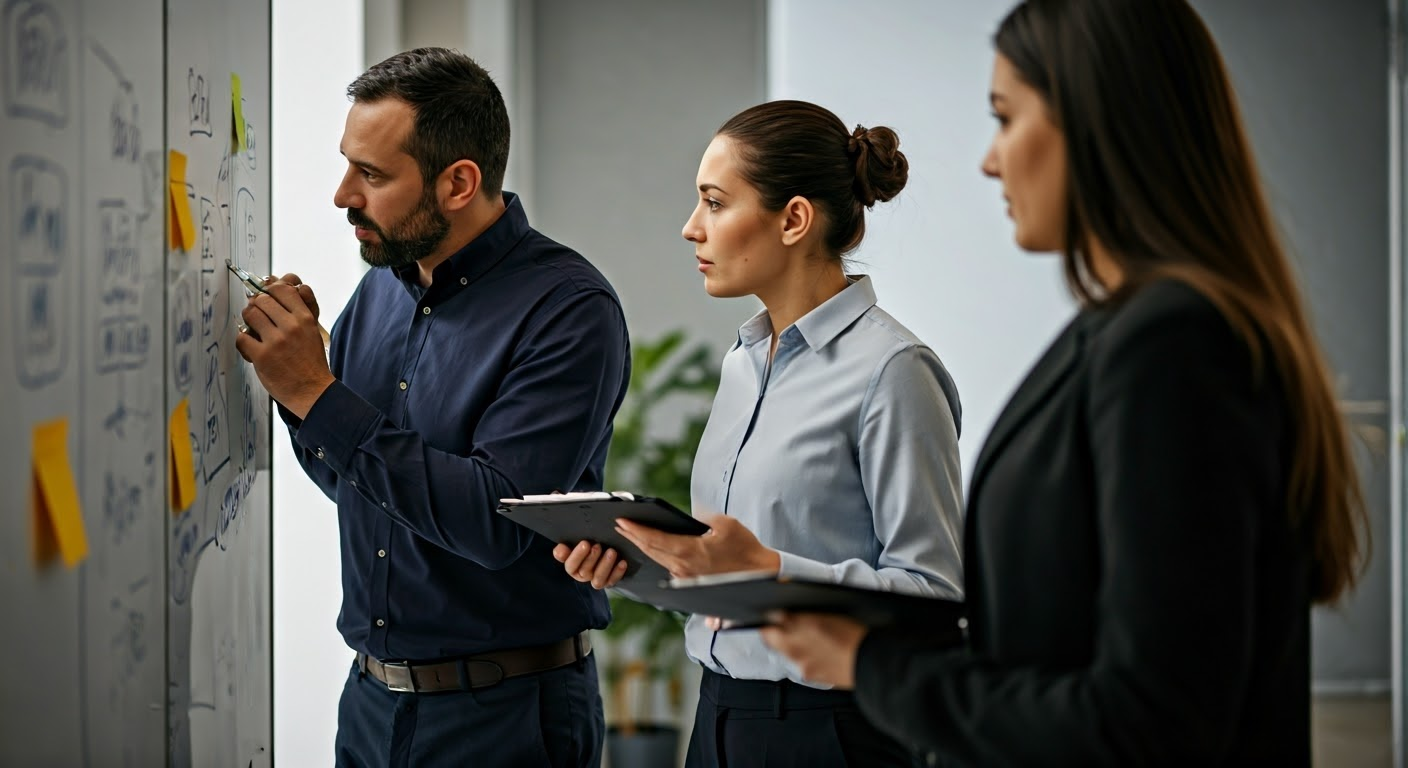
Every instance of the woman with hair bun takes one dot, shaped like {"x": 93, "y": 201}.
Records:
{"x": 831, "y": 451}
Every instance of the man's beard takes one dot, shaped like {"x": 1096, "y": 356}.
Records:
{"x": 405, "y": 243}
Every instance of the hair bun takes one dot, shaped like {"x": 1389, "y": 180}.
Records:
{"x": 881, "y": 168}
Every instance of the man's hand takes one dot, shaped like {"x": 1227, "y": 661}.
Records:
{"x": 586, "y": 562}
{"x": 304, "y": 292}
{"x": 282, "y": 341}
{"x": 728, "y": 547}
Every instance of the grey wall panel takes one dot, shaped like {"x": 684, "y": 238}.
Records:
{"x": 1312, "y": 78}
{"x": 627, "y": 94}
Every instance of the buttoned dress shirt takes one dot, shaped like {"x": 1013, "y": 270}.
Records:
{"x": 842, "y": 454}
{"x": 500, "y": 379}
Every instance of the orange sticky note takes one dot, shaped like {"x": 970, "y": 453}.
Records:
{"x": 57, "y": 518}
{"x": 176, "y": 240}
{"x": 183, "y": 470}
{"x": 237, "y": 102}
{"x": 183, "y": 229}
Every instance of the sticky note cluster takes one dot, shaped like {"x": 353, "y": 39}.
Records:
{"x": 56, "y": 516}
{"x": 183, "y": 228}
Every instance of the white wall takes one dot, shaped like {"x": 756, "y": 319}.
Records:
{"x": 312, "y": 238}
{"x": 941, "y": 253}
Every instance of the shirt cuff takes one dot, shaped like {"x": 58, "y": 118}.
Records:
{"x": 336, "y": 425}
{"x": 289, "y": 417}
{"x": 797, "y": 567}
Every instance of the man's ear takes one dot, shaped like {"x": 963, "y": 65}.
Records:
{"x": 798, "y": 219}
{"x": 460, "y": 182}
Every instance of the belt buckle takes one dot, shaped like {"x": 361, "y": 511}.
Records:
{"x": 399, "y": 677}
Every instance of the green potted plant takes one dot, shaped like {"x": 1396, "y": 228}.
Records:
{"x": 657, "y": 430}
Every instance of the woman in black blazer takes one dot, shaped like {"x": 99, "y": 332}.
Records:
{"x": 1171, "y": 487}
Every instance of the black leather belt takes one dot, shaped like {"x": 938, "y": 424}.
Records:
{"x": 478, "y": 671}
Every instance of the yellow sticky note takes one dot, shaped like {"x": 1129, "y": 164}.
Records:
{"x": 176, "y": 240}
{"x": 57, "y": 518}
{"x": 183, "y": 229}
{"x": 237, "y": 101}
{"x": 183, "y": 470}
{"x": 177, "y": 163}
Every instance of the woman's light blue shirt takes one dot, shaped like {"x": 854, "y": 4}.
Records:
{"x": 842, "y": 455}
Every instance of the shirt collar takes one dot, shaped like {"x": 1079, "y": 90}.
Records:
{"x": 823, "y": 324}
{"x": 479, "y": 255}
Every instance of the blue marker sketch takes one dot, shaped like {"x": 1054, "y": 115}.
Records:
{"x": 39, "y": 219}
{"x": 249, "y": 139}
{"x": 36, "y": 63}
{"x": 127, "y": 644}
{"x": 154, "y": 187}
{"x": 198, "y": 106}
{"x": 183, "y": 336}
{"x": 122, "y": 418}
{"x": 227, "y": 525}
{"x": 123, "y": 343}
{"x": 187, "y": 542}
{"x": 121, "y": 275}
{"x": 214, "y": 444}
{"x": 125, "y": 131}
{"x": 122, "y": 502}
{"x": 214, "y": 279}
{"x": 124, "y": 338}
{"x": 245, "y": 249}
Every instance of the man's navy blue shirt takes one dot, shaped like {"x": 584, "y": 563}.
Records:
{"x": 501, "y": 379}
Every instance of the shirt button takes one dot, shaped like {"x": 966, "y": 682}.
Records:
{"x": 318, "y": 453}
{"x": 425, "y": 310}
{"x": 353, "y": 482}
{"x": 464, "y": 281}
{"x": 380, "y": 623}
{"x": 383, "y": 505}
{"x": 403, "y": 386}
{"x": 381, "y": 553}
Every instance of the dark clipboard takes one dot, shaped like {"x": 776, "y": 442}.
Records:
{"x": 746, "y": 599}
{"x": 592, "y": 517}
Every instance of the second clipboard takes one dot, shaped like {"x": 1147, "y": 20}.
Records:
{"x": 747, "y": 598}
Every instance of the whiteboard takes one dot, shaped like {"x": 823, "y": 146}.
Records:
{"x": 156, "y": 647}
{"x": 220, "y": 640}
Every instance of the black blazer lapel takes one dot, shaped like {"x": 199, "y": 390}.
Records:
{"x": 1053, "y": 367}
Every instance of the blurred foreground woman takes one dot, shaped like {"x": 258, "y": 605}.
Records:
{"x": 1171, "y": 487}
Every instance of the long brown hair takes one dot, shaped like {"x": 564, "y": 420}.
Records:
{"x": 1162, "y": 174}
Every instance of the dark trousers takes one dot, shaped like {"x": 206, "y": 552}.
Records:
{"x": 547, "y": 719}
{"x": 746, "y": 723}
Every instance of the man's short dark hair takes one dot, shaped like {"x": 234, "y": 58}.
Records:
{"x": 459, "y": 112}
